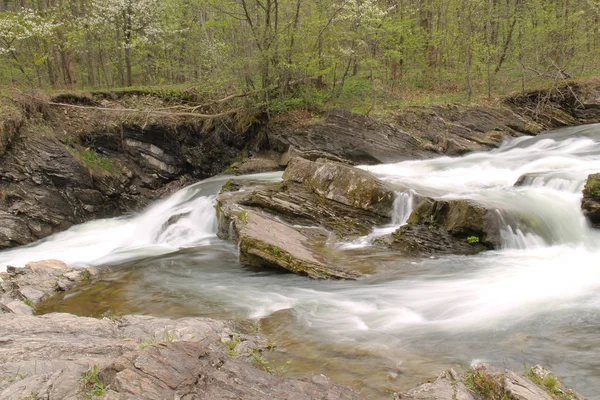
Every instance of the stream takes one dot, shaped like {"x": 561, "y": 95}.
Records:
{"x": 535, "y": 300}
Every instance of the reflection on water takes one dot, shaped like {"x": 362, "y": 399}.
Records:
{"x": 537, "y": 300}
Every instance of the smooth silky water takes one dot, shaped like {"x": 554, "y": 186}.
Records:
{"x": 536, "y": 300}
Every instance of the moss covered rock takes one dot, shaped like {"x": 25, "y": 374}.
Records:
{"x": 590, "y": 204}
{"x": 448, "y": 227}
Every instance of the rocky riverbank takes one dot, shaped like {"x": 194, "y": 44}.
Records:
{"x": 66, "y": 159}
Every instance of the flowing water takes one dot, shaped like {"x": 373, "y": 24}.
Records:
{"x": 536, "y": 300}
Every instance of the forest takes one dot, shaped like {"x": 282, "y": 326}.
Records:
{"x": 289, "y": 53}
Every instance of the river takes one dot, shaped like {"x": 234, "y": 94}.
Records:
{"x": 535, "y": 300}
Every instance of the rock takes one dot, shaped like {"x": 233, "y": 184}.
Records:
{"x": 284, "y": 225}
{"x": 10, "y": 305}
{"x": 343, "y": 184}
{"x": 448, "y": 385}
{"x": 40, "y": 280}
{"x": 448, "y": 227}
{"x": 264, "y": 241}
{"x": 484, "y": 382}
{"x": 260, "y": 162}
{"x": 52, "y": 267}
{"x": 590, "y": 202}
{"x": 346, "y": 135}
{"x": 138, "y": 357}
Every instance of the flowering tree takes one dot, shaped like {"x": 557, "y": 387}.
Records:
{"x": 19, "y": 28}
{"x": 135, "y": 23}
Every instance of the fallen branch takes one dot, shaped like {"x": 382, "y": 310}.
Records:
{"x": 148, "y": 112}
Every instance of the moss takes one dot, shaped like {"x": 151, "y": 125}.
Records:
{"x": 592, "y": 186}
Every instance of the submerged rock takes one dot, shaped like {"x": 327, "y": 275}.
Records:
{"x": 590, "y": 203}
{"x": 448, "y": 227}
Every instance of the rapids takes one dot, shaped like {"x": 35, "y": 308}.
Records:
{"x": 536, "y": 300}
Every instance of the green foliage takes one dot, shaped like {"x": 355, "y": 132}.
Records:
{"x": 473, "y": 239}
{"x": 244, "y": 216}
{"x": 276, "y": 251}
{"x": 361, "y": 55}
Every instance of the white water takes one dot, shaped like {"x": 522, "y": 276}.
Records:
{"x": 535, "y": 300}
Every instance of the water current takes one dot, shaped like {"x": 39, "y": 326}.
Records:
{"x": 536, "y": 300}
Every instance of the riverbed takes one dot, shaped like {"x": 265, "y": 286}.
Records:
{"x": 535, "y": 300}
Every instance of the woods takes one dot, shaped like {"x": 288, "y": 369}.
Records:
{"x": 300, "y": 51}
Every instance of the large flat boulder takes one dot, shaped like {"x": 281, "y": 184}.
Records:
{"x": 266, "y": 241}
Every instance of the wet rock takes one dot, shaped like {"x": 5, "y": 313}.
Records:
{"x": 343, "y": 184}
{"x": 264, "y": 241}
{"x": 590, "y": 203}
{"x": 448, "y": 227}
{"x": 286, "y": 225}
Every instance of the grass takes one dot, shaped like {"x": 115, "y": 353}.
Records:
{"x": 244, "y": 216}
{"x": 276, "y": 251}
{"x": 484, "y": 385}
{"x": 550, "y": 383}
{"x": 93, "y": 386}
{"x": 28, "y": 302}
{"x": 168, "y": 337}
{"x": 93, "y": 161}
{"x": 257, "y": 357}
{"x": 232, "y": 344}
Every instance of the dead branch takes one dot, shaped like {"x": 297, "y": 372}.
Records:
{"x": 148, "y": 112}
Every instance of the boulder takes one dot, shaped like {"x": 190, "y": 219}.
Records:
{"x": 265, "y": 241}
{"x": 590, "y": 203}
{"x": 343, "y": 184}
{"x": 286, "y": 225}
{"x": 448, "y": 227}
{"x": 39, "y": 280}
